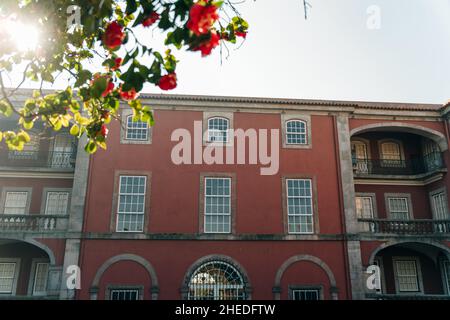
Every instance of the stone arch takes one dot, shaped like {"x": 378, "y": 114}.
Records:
{"x": 397, "y": 242}
{"x": 304, "y": 257}
{"x": 215, "y": 257}
{"x": 125, "y": 257}
{"x": 434, "y": 135}
{"x": 40, "y": 245}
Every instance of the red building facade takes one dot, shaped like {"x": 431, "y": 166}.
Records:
{"x": 346, "y": 185}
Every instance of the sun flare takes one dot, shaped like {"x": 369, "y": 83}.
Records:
{"x": 24, "y": 36}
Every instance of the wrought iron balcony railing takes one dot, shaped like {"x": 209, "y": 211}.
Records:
{"x": 38, "y": 159}
{"x": 383, "y": 296}
{"x": 33, "y": 222}
{"x": 405, "y": 227}
{"x": 425, "y": 164}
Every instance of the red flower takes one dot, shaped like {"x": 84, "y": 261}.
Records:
{"x": 241, "y": 34}
{"x": 168, "y": 82}
{"x": 151, "y": 19}
{"x": 118, "y": 63}
{"x": 114, "y": 35}
{"x": 109, "y": 84}
{"x": 201, "y": 18}
{"x": 128, "y": 95}
{"x": 104, "y": 131}
{"x": 207, "y": 46}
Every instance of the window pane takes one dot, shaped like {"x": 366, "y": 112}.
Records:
{"x": 131, "y": 203}
{"x": 296, "y": 132}
{"x": 136, "y": 130}
{"x": 440, "y": 206}
{"x": 398, "y": 208}
{"x": 390, "y": 151}
{"x": 407, "y": 276}
{"x": 217, "y": 205}
{"x": 299, "y": 206}
{"x": 16, "y": 202}
{"x": 364, "y": 207}
{"x": 40, "y": 279}
{"x": 306, "y": 294}
{"x": 57, "y": 203}
{"x": 7, "y": 273}
{"x": 218, "y": 130}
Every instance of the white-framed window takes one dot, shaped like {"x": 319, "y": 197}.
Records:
{"x": 296, "y": 132}
{"x": 299, "y": 206}
{"x": 40, "y": 278}
{"x": 136, "y": 130}
{"x": 439, "y": 205}
{"x": 216, "y": 280}
{"x": 399, "y": 208}
{"x": 407, "y": 274}
{"x": 124, "y": 294}
{"x": 218, "y": 129}
{"x": 364, "y": 207}
{"x": 217, "y": 205}
{"x": 131, "y": 204}
{"x": 16, "y": 202}
{"x": 7, "y": 277}
{"x": 306, "y": 294}
{"x": 57, "y": 202}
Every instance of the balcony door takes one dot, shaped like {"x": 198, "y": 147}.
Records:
{"x": 360, "y": 156}
{"x": 391, "y": 155}
{"x": 63, "y": 149}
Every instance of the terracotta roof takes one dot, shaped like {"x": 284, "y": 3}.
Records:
{"x": 355, "y": 104}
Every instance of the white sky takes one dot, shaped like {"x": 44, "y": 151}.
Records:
{"x": 332, "y": 55}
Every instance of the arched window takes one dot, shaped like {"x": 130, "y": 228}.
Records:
{"x": 218, "y": 129}
{"x": 391, "y": 150}
{"x": 216, "y": 280}
{"x": 296, "y": 132}
{"x": 136, "y": 130}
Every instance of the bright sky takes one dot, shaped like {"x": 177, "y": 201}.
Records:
{"x": 331, "y": 55}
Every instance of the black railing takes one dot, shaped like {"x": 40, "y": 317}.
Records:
{"x": 425, "y": 164}
{"x": 38, "y": 159}
{"x": 412, "y": 227}
{"x": 375, "y": 296}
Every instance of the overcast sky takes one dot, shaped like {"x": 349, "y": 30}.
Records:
{"x": 331, "y": 55}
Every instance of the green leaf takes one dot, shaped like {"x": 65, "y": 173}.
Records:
{"x": 91, "y": 147}
{"x": 131, "y": 7}
{"x": 75, "y": 130}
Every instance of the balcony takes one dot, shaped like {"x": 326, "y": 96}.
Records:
{"x": 375, "y": 296}
{"x": 405, "y": 227}
{"x": 37, "y": 159}
{"x": 33, "y": 222}
{"x": 415, "y": 166}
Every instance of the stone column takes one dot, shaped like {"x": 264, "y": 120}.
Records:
{"x": 73, "y": 245}
{"x": 351, "y": 223}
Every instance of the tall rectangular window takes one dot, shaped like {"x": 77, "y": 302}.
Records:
{"x": 131, "y": 204}
{"x": 57, "y": 203}
{"x": 124, "y": 294}
{"x": 407, "y": 275}
{"x": 439, "y": 205}
{"x": 299, "y": 206}
{"x": 217, "y": 205}
{"x": 40, "y": 279}
{"x": 136, "y": 130}
{"x": 7, "y": 274}
{"x": 398, "y": 208}
{"x": 16, "y": 202}
{"x": 364, "y": 207}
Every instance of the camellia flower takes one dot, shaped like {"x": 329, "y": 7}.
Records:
{"x": 201, "y": 18}
{"x": 151, "y": 19}
{"x": 118, "y": 63}
{"x": 109, "y": 84}
{"x": 168, "y": 82}
{"x": 207, "y": 46}
{"x": 241, "y": 34}
{"x": 114, "y": 35}
{"x": 104, "y": 130}
{"x": 128, "y": 95}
